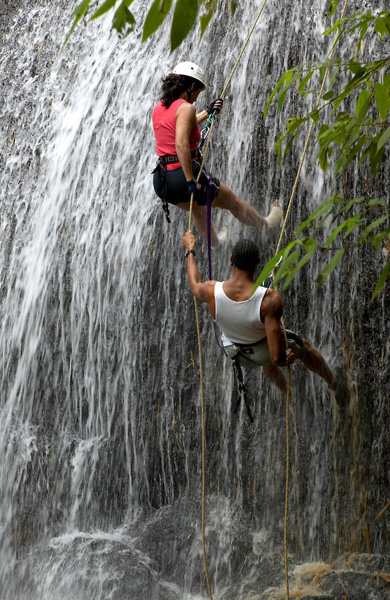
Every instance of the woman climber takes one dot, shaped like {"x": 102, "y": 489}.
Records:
{"x": 176, "y": 127}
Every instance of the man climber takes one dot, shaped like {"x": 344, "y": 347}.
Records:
{"x": 250, "y": 322}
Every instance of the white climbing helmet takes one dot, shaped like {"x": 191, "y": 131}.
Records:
{"x": 191, "y": 70}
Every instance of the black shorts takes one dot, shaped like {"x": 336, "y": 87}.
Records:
{"x": 176, "y": 187}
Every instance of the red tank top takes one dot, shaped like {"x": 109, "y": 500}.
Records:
{"x": 164, "y": 125}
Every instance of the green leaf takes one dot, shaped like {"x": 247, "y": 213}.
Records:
{"x": 310, "y": 246}
{"x": 103, "y": 9}
{"x": 324, "y": 209}
{"x": 79, "y": 11}
{"x": 351, "y": 223}
{"x": 204, "y": 21}
{"x": 283, "y": 92}
{"x": 304, "y": 81}
{"x": 356, "y": 68}
{"x": 363, "y": 30}
{"x": 274, "y": 91}
{"x": 315, "y": 116}
{"x": 382, "y": 280}
{"x": 362, "y": 103}
{"x": 382, "y": 27}
{"x": 352, "y": 203}
{"x": 328, "y": 95}
{"x": 374, "y": 202}
{"x": 206, "y": 17}
{"x": 123, "y": 19}
{"x": 333, "y": 76}
{"x": 334, "y": 234}
{"x": 376, "y": 241}
{"x": 372, "y": 226}
{"x": 382, "y": 99}
{"x": 333, "y": 7}
{"x": 332, "y": 264}
{"x": 383, "y": 139}
{"x": 268, "y": 268}
{"x": 375, "y": 158}
{"x": 155, "y": 17}
{"x": 183, "y": 20}
{"x": 288, "y": 148}
{"x": 286, "y": 262}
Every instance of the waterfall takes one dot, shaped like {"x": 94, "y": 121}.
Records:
{"x": 100, "y": 423}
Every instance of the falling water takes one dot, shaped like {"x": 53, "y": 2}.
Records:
{"x": 100, "y": 408}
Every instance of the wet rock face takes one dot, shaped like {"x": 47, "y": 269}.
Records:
{"x": 100, "y": 420}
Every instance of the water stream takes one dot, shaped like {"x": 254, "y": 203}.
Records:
{"x": 100, "y": 445}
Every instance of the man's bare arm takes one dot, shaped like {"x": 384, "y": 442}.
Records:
{"x": 203, "y": 291}
{"x": 272, "y": 310}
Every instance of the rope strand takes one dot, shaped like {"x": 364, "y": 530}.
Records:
{"x": 282, "y": 320}
{"x": 197, "y": 316}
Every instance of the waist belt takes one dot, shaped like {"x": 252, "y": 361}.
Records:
{"x": 173, "y": 158}
{"x": 246, "y": 348}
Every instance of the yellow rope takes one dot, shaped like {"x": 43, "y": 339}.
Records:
{"x": 203, "y": 451}
{"x": 282, "y": 320}
{"x": 287, "y": 476}
{"x": 222, "y": 95}
{"x": 307, "y": 139}
{"x": 197, "y": 319}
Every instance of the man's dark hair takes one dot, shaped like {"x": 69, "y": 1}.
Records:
{"x": 245, "y": 255}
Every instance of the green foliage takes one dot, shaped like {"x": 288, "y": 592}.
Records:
{"x": 183, "y": 20}
{"x": 78, "y": 13}
{"x": 341, "y": 218}
{"x": 155, "y": 17}
{"x": 123, "y": 19}
{"x": 353, "y": 127}
{"x": 205, "y": 19}
{"x": 184, "y": 16}
{"x": 360, "y": 132}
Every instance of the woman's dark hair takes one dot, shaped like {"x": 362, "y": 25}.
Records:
{"x": 245, "y": 255}
{"x": 174, "y": 85}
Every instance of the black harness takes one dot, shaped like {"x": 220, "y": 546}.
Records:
{"x": 162, "y": 162}
{"x": 243, "y": 350}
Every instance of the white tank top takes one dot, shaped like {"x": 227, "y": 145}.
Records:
{"x": 240, "y": 322}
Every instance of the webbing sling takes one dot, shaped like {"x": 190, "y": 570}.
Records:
{"x": 241, "y": 387}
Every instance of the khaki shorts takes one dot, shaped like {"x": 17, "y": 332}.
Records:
{"x": 258, "y": 354}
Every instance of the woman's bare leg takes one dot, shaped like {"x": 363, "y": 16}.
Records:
{"x": 239, "y": 209}
{"x": 199, "y": 214}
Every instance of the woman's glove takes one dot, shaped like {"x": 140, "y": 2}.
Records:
{"x": 193, "y": 186}
{"x": 215, "y": 106}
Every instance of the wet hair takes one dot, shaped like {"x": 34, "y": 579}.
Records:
{"x": 245, "y": 255}
{"x": 174, "y": 85}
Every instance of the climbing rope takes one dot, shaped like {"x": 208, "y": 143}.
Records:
{"x": 197, "y": 315}
{"x": 282, "y": 320}
{"x": 222, "y": 96}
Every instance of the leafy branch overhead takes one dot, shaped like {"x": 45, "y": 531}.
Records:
{"x": 369, "y": 218}
{"x": 184, "y": 17}
{"x": 353, "y": 127}
{"x": 358, "y": 97}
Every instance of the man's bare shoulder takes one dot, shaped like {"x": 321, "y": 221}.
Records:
{"x": 272, "y": 305}
{"x": 206, "y": 290}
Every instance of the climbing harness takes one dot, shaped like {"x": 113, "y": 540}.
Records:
{"x": 241, "y": 387}
{"x": 161, "y": 166}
